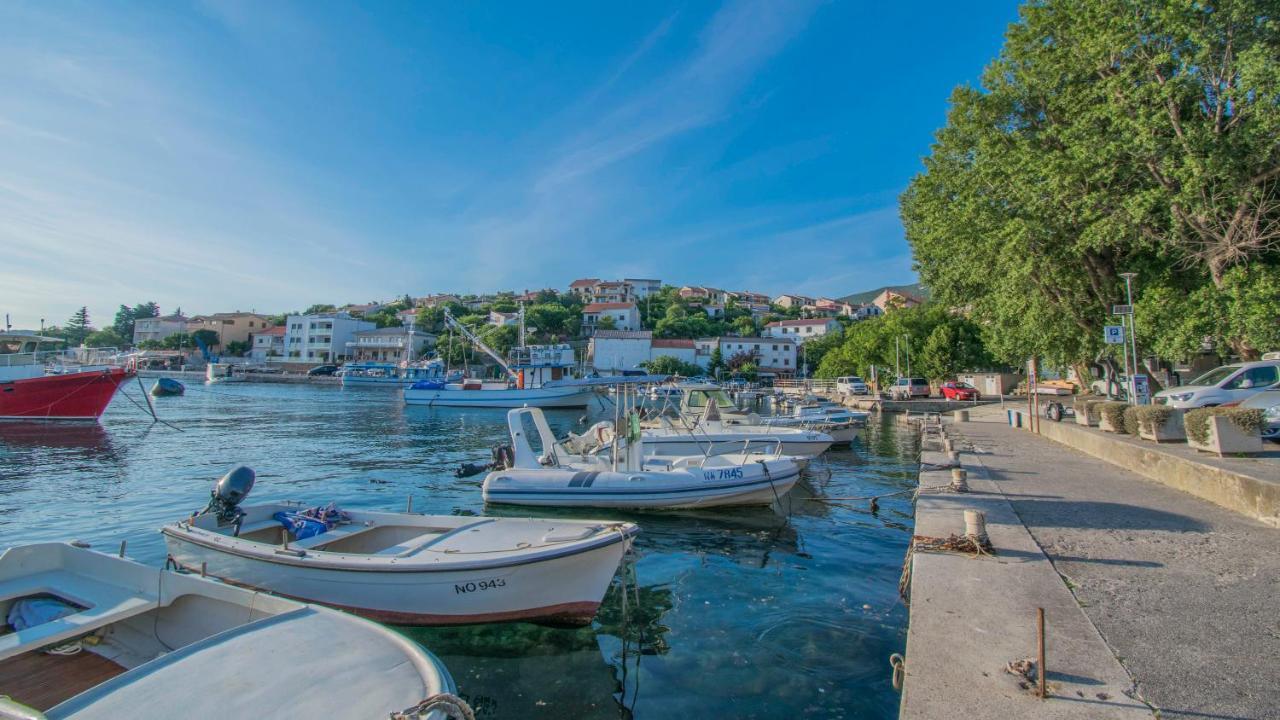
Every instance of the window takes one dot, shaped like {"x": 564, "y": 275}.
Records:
{"x": 786, "y": 362}
{"x": 229, "y": 322}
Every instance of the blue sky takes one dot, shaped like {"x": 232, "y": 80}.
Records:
{"x": 270, "y": 155}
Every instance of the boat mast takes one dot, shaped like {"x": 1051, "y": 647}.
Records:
{"x": 521, "y": 326}
{"x": 475, "y": 340}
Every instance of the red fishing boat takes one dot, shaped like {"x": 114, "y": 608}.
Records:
{"x": 31, "y": 389}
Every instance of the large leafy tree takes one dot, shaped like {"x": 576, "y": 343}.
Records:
{"x": 77, "y": 327}
{"x": 1109, "y": 136}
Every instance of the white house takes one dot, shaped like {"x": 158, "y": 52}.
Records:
{"x": 625, "y": 316}
{"x": 680, "y": 349}
{"x": 802, "y": 330}
{"x": 614, "y": 351}
{"x": 389, "y": 344}
{"x": 268, "y": 345}
{"x": 503, "y": 318}
{"x": 866, "y": 312}
{"x": 321, "y": 338}
{"x": 774, "y": 356}
{"x": 642, "y": 288}
{"x": 158, "y": 328}
{"x": 793, "y": 301}
{"x": 407, "y": 317}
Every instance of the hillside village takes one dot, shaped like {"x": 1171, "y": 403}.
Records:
{"x": 616, "y": 326}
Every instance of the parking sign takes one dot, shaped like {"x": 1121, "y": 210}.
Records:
{"x": 1113, "y": 334}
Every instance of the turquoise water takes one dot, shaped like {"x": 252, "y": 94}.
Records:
{"x": 788, "y": 611}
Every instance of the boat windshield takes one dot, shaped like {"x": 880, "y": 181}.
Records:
{"x": 698, "y": 398}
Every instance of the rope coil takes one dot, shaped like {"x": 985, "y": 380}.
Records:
{"x": 453, "y": 707}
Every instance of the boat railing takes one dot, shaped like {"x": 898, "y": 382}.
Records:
{"x": 16, "y": 359}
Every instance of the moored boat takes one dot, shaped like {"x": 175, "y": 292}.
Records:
{"x": 166, "y": 387}
{"x": 405, "y": 568}
{"x": 619, "y": 474}
{"x": 379, "y": 374}
{"x": 31, "y": 391}
{"x": 96, "y": 636}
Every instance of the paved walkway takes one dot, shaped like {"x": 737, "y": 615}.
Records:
{"x": 1185, "y": 593}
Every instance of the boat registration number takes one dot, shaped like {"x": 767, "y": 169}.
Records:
{"x": 723, "y": 474}
{"x": 494, "y": 584}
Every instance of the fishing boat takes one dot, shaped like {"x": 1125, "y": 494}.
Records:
{"x": 36, "y": 384}
{"x": 98, "y": 636}
{"x": 220, "y": 372}
{"x": 840, "y": 423}
{"x": 536, "y": 376}
{"x": 166, "y": 387}
{"x": 382, "y": 374}
{"x": 404, "y": 568}
{"x": 618, "y": 473}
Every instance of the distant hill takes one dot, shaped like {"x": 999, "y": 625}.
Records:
{"x": 915, "y": 289}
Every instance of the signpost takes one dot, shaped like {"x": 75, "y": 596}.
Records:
{"x": 1113, "y": 334}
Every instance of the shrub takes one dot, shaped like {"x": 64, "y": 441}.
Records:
{"x": 1151, "y": 417}
{"x": 1131, "y": 420}
{"x": 1249, "y": 421}
{"x": 1113, "y": 412}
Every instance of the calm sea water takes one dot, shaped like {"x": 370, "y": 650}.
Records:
{"x": 788, "y": 611}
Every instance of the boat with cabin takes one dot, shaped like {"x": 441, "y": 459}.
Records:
{"x": 38, "y": 384}
{"x": 94, "y": 636}
{"x": 533, "y": 376}
{"x": 385, "y": 374}
{"x": 600, "y": 469}
{"x": 404, "y": 568}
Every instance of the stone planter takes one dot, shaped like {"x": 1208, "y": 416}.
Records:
{"x": 1225, "y": 438}
{"x": 1086, "y": 417}
{"x": 1171, "y": 430}
{"x": 1104, "y": 424}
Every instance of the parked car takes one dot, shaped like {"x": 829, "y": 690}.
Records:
{"x": 1268, "y": 401}
{"x": 908, "y": 388}
{"x": 959, "y": 391}
{"x": 322, "y": 370}
{"x": 1226, "y": 384}
{"x": 851, "y": 385}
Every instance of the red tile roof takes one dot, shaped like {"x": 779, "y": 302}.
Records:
{"x": 597, "y": 307}
{"x": 585, "y": 282}
{"x": 805, "y": 321}
{"x": 673, "y": 343}
{"x": 277, "y": 330}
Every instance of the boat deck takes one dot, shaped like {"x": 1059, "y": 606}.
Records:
{"x": 42, "y": 681}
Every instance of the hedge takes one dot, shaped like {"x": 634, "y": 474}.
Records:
{"x": 1114, "y": 413}
{"x": 1150, "y": 417}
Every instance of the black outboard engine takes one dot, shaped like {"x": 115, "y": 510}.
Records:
{"x": 230, "y": 490}
{"x": 503, "y": 458}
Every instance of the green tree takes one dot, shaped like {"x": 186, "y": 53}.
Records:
{"x": 606, "y": 323}
{"x": 716, "y": 363}
{"x": 744, "y": 326}
{"x": 77, "y": 327}
{"x": 107, "y": 337}
{"x": 669, "y": 365}
{"x": 208, "y": 337}
{"x": 319, "y": 309}
{"x": 123, "y": 322}
{"x": 1107, "y": 137}
{"x": 177, "y": 341}
{"x": 237, "y": 348}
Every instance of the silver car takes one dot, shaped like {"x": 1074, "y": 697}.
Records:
{"x": 1268, "y": 401}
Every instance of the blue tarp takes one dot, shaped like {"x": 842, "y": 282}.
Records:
{"x": 30, "y": 612}
{"x": 301, "y": 527}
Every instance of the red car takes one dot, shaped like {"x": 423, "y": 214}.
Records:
{"x": 959, "y": 391}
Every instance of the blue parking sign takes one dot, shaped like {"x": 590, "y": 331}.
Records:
{"x": 1113, "y": 334}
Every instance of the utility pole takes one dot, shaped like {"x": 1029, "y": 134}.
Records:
{"x": 897, "y": 361}
{"x": 908, "y": 351}
{"x": 1133, "y": 335}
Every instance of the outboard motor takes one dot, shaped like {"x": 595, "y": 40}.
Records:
{"x": 503, "y": 458}
{"x": 227, "y": 494}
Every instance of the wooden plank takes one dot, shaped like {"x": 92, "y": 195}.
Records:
{"x": 42, "y": 681}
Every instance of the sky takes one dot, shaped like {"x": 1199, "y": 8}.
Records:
{"x": 243, "y": 155}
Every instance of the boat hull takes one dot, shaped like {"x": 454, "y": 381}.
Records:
{"x": 73, "y": 396}
{"x": 569, "y": 488}
{"x": 563, "y": 590}
{"x": 545, "y": 397}
{"x": 685, "y": 445}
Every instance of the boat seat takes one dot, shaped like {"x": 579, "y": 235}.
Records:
{"x": 334, "y": 533}
{"x": 105, "y": 603}
{"x": 412, "y": 545}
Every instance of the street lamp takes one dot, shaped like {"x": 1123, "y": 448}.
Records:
{"x": 907, "y": 349}
{"x": 1133, "y": 332}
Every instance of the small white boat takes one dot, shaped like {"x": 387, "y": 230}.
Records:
{"x": 404, "y": 568}
{"x": 619, "y": 475}
{"x": 96, "y": 636}
{"x": 384, "y": 374}
{"x": 217, "y": 372}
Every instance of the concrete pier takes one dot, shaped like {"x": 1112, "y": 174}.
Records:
{"x": 1157, "y": 601}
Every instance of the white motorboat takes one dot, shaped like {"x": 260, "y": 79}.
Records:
{"x": 404, "y": 568}
{"x": 96, "y": 636}
{"x": 618, "y": 475}
{"x": 536, "y": 376}
{"x": 840, "y": 424}
{"x": 385, "y": 374}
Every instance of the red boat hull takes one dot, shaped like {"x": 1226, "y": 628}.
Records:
{"x": 75, "y": 396}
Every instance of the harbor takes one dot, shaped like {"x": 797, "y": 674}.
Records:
{"x": 788, "y": 605}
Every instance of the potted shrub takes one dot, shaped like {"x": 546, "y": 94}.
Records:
{"x": 1225, "y": 431}
{"x": 1159, "y": 423}
{"x": 1087, "y": 412}
{"x": 1111, "y": 416}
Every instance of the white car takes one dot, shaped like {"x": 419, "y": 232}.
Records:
{"x": 1227, "y": 384}
{"x": 851, "y": 385}
{"x": 1268, "y": 401}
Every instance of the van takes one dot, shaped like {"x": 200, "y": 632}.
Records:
{"x": 909, "y": 388}
{"x": 851, "y": 385}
